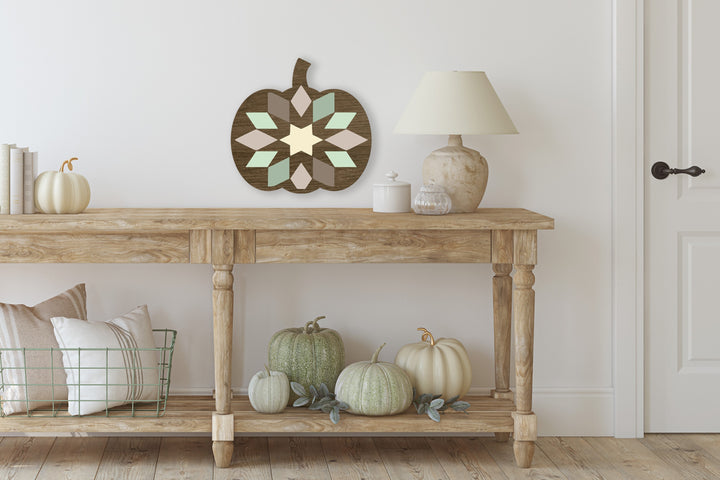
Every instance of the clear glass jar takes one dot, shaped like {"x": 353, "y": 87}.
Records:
{"x": 432, "y": 200}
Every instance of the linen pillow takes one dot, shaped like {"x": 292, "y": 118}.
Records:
{"x": 108, "y": 363}
{"x": 29, "y": 327}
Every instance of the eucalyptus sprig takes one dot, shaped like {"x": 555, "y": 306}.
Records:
{"x": 320, "y": 398}
{"x": 433, "y": 405}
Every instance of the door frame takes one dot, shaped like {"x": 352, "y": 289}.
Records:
{"x": 628, "y": 217}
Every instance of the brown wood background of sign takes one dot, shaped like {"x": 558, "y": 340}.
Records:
{"x": 301, "y": 139}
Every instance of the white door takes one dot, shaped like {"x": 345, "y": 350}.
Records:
{"x": 682, "y": 217}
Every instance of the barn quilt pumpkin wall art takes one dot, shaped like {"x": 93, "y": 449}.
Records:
{"x": 301, "y": 139}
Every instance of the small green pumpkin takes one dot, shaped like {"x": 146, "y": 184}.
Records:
{"x": 374, "y": 388}
{"x": 309, "y": 356}
{"x": 269, "y": 391}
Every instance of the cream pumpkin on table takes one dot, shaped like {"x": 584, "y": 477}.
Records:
{"x": 439, "y": 367}
{"x": 62, "y": 192}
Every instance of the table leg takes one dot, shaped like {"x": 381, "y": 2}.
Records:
{"x": 502, "y": 312}
{"x": 525, "y": 428}
{"x": 223, "y": 425}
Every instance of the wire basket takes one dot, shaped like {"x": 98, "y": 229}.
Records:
{"x": 51, "y": 406}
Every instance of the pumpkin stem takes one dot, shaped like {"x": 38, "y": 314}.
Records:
{"x": 267, "y": 370}
{"x": 68, "y": 163}
{"x": 426, "y": 335}
{"x": 377, "y": 352}
{"x": 315, "y": 327}
{"x": 300, "y": 73}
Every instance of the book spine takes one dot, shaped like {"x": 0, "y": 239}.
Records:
{"x": 29, "y": 181}
{"x": 5, "y": 178}
{"x": 17, "y": 176}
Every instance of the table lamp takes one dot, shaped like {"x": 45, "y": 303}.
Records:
{"x": 455, "y": 104}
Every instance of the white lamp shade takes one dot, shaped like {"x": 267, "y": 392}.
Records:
{"x": 455, "y": 103}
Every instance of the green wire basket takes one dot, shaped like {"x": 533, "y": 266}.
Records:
{"x": 52, "y": 407}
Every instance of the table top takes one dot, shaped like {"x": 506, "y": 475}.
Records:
{"x": 184, "y": 219}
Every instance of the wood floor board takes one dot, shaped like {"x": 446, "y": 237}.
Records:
{"x": 297, "y": 458}
{"x": 73, "y": 458}
{"x": 465, "y": 458}
{"x": 409, "y": 458}
{"x": 353, "y": 458}
{"x": 684, "y": 454}
{"x": 129, "y": 458}
{"x": 183, "y": 458}
{"x": 634, "y": 459}
{"x": 22, "y": 457}
{"x": 250, "y": 461}
{"x": 576, "y": 459}
{"x": 542, "y": 467}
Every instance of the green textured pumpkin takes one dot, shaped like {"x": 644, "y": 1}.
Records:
{"x": 309, "y": 355}
{"x": 374, "y": 388}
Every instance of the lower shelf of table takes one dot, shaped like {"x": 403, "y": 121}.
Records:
{"x": 193, "y": 414}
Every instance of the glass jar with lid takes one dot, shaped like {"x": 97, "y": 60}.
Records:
{"x": 432, "y": 200}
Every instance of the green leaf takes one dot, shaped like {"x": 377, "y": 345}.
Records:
{"x": 324, "y": 391}
{"x": 437, "y": 396}
{"x": 342, "y": 405}
{"x": 327, "y": 408}
{"x": 437, "y": 403}
{"x": 313, "y": 391}
{"x": 298, "y": 389}
{"x": 452, "y": 400}
{"x": 301, "y": 402}
{"x": 422, "y": 408}
{"x": 460, "y": 406}
{"x": 335, "y": 415}
{"x": 433, "y": 414}
{"x": 425, "y": 398}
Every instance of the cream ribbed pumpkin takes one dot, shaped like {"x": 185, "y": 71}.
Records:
{"x": 374, "y": 388}
{"x": 439, "y": 367}
{"x": 269, "y": 391}
{"x": 62, "y": 192}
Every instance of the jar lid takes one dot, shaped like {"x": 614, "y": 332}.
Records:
{"x": 391, "y": 182}
{"x": 432, "y": 188}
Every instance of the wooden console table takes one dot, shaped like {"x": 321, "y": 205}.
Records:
{"x": 507, "y": 238}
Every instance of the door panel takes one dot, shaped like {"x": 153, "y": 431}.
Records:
{"x": 682, "y": 229}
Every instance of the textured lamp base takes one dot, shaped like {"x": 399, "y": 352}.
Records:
{"x": 461, "y": 170}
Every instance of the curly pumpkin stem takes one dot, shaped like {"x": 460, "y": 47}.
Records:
{"x": 267, "y": 371}
{"x": 300, "y": 73}
{"x": 68, "y": 163}
{"x": 374, "y": 358}
{"x": 426, "y": 335}
{"x": 315, "y": 327}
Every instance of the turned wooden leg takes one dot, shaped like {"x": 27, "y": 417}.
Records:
{"x": 502, "y": 310}
{"x": 222, "y": 422}
{"x": 525, "y": 425}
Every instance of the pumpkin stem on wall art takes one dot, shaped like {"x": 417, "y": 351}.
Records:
{"x": 301, "y": 139}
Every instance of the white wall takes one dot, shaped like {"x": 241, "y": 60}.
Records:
{"x": 144, "y": 93}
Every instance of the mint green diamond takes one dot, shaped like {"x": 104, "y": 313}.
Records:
{"x": 279, "y": 172}
{"x": 262, "y": 120}
{"x": 340, "y": 159}
{"x": 261, "y": 159}
{"x": 323, "y": 106}
{"x": 340, "y": 120}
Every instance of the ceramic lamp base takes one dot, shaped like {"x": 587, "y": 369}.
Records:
{"x": 461, "y": 170}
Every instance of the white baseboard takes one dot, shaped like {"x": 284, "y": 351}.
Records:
{"x": 565, "y": 411}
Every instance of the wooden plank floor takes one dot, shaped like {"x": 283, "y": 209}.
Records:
{"x": 658, "y": 456}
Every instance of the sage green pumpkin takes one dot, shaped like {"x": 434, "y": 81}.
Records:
{"x": 374, "y": 388}
{"x": 310, "y": 355}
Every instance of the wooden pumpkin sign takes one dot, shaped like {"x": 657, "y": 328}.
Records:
{"x": 301, "y": 139}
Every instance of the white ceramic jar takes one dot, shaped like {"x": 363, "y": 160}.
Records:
{"x": 392, "y": 196}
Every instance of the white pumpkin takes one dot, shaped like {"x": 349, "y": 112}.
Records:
{"x": 440, "y": 367}
{"x": 269, "y": 391}
{"x": 374, "y": 388}
{"x": 62, "y": 192}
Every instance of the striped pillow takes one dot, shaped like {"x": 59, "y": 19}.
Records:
{"x": 29, "y": 327}
{"x": 98, "y": 378}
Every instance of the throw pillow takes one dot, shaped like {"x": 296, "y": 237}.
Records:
{"x": 108, "y": 363}
{"x": 29, "y": 327}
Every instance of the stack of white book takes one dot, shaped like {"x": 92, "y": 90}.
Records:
{"x": 18, "y": 170}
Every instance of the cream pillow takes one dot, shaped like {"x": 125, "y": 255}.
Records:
{"x": 29, "y": 327}
{"x": 108, "y": 363}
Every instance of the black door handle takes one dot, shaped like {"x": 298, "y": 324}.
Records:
{"x": 661, "y": 170}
